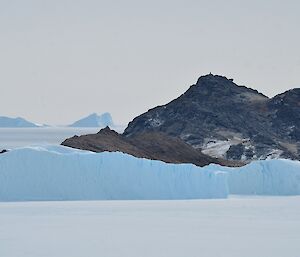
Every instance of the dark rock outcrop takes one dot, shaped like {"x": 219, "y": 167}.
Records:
{"x": 229, "y": 121}
{"x": 150, "y": 145}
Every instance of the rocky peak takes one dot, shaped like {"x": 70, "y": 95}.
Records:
{"x": 215, "y": 114}
{"x": 213, "y": 79}
{"x": 290, "y": 97}
{"x": 285, "y": 112}
{"x": 209, "y": 84}
{"x": 210, "y": 87}
{"x": 107, "y": 131}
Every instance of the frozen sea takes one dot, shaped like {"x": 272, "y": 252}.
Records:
{"x": 235, "y": 227}
{"x": 19, "y": 137}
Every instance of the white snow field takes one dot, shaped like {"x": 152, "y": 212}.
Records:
{"x": 234, "y": 227}
{"x": 61, "y": 173}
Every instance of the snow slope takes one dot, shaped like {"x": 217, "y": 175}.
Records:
{"x": 61, "y": 173}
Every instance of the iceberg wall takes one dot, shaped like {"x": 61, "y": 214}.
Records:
{"x": 268, "y": 177}
{"x": 61, "y": 173}
{"x": 264, "y": 177}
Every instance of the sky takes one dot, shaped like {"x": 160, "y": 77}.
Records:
{"x": 61, "y": 60}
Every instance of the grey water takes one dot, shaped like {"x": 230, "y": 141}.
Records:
{"x": 11, "y": 138}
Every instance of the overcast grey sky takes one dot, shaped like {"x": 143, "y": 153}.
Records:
{"x": 61, "y": 60}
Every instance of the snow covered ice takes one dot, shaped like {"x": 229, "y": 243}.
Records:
{"x": 61, "y": 173}
{"x": 234, "y": 227}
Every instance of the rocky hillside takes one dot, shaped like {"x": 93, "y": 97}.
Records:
{"x": 150, "y": 145}
{"x": 225, "y": 120}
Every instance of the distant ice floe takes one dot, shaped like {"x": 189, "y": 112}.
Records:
{"x": 62, "y": 173}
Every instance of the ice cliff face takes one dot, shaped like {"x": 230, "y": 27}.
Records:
{"x": 61, "y": 173}
{"x": 265, "y": 177}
